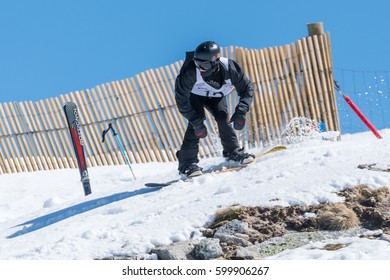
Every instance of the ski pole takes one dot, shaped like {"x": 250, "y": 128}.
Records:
{"x": 119, "y": 142}
{"x": 358, "y": 112}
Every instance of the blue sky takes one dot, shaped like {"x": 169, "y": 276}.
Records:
{"x": 54, "y": 47}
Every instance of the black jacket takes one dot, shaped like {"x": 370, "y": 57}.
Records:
{"x": 187, "y": 78}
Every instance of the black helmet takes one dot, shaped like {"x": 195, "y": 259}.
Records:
{"x": 206, "y": 55}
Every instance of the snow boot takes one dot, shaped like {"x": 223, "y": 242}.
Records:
{"x": 238, "y": 155}
{"x": 193, "y": 170}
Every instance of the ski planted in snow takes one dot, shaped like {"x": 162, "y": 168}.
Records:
{"x": 72, "y": 117}
{"x": 221, "y": 168}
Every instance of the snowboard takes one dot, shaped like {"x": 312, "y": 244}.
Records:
{"x": 218, "y": 169}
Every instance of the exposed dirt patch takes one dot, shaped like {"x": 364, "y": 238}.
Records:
{"x": 363, "y": 207}
{"x": 371, "y": 206}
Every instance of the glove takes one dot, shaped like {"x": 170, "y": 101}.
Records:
{"x": 199, "y": 128}
{"x": 200, "y": 131}
{"x": 238, "y": 120}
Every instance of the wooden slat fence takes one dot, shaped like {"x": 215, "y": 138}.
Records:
{"x": 294, "y": 80}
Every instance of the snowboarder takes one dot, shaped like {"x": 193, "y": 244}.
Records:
{"x": 204, "y": 81}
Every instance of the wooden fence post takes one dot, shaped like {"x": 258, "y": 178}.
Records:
{"x": 316, "y": 28}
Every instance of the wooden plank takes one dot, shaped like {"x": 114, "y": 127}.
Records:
{"x": 26, "y": 145}
{"x": 327, "y": 116}
{"x": 255, "y": 116}
{"x": 325, "y": 43}
{"x": 139, "y": 121}
{"x": 4, "y": 154}
{"x": 134, "y": 126}
{"x": 283, "y": 79}
{"x": 52, "y": 136}
{"x": 301, "y": 79}
{"x": 170, "y": 104}
{"x": 27, "y": 133}
{"x": 142, "y": 112}
{"x": 10, "y": 156}
{"x": 275, "y": 92}
{"x": 112, "y": 102}
{"x": 311, "y": 67}
{"x": 289, "y": 81}
{"x": 6, "y": 129}
{"x": 115, "y": 104}
{"x": 159, "y": 106}
{"x": 306, "y": 86}
{"x": 131, "y": 135}
{"x": 308, "y": 93}
{"x": 280, "y": 100}
{"x": 291, "y": 56}
{"x": 99, "y": 118}
{"x": 271, "y": 103}
{"x": 19, "y": 144}
{"x": 109, "y": 115}
{"x": 181, "y": 122}
{"x": 156, "y": 119}
{"x": 102, "y": 118}
{"x": 163, "y": 96}
{"x": 48, "y": 142}
{"x": 16, "y": 149}
{"x": 8, "y": 149}
{"x": 30, "y": 122}
{"x": 327, "y": 52}
{"x": 21, "y": 136}
{"x": 266, "y": 93}
{"x": 241, "y": 60}
{"x": 263, "y": 116}
{"x": 124, "y": 124}
{"x": 171, "y": 74}
{"x": 4, "y": 168}
{"x": 45, "y": 147}
{"x": 245, "y": 64}
{"x": 232, "y": 53}
{"x": 6, "y": 145}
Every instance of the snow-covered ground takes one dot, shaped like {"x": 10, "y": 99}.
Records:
{"x": 45, "y": 215}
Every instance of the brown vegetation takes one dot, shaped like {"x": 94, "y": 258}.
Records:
{"x": 363, "y": 206}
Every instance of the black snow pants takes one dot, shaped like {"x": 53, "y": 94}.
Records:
{"x": 188, "y": 153}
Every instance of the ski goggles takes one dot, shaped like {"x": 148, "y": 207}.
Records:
{"x": 205, "y": 64}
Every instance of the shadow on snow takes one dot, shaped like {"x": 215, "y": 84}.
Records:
{"x": 66, "y": 213}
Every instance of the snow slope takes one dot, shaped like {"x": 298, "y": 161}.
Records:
{"x": 44, "y": 215}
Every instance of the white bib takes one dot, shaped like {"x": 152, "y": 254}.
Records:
{"x": 204, "y": 89}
